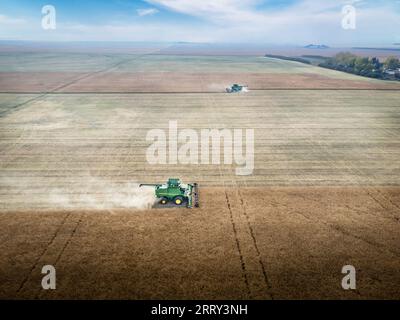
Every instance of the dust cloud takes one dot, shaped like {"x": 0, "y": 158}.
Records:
{"x": 86, "y": 193}
{"x": 218, "y": 87}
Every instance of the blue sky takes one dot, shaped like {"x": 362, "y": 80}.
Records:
{"x": 237, "y": 21}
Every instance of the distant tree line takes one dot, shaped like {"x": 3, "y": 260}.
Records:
{"x": 367, "y": 67}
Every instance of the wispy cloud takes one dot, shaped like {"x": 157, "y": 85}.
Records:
{"x": 258, "y": 21}
{"x": 5, "y": 20}
{"x": 299, "y": 21}
{"x": 147, "y": 12}
{"x": 231, "y": 10}
{"x": 145, "y": 32}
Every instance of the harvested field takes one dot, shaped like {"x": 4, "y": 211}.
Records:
{"x": 148, "y": 63}
{"x": 170, "y": 74}
{"x": 169, "y": 82}
{"x": 301, "y": 138}
{"x": 36, "y": 82}
{"x": 189, "y": 82}
{"x": 325, "y": 190}
{"x": 167, "y": 74}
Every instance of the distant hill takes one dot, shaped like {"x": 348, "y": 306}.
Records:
{"x": 316, "y": 46}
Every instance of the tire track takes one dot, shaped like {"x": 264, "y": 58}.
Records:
{"x": 344, "y": 232}
{"x": 387, "y": 210}
{"x": 388, "y": 199}
{"x": 252, "y": 271}
{"x": 69, "y": 239}
{"x": 244, "y": 273}
{"x": 51, "y": 241}
{"x": 66, "y": 244}
{"x": 266, "y": 278}
{"x": 20, "y": 105}
{"x": 234, "y": 228}
{"x": 43, "y": 95}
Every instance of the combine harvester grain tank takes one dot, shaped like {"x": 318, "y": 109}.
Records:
{"x": 176, "y": 192}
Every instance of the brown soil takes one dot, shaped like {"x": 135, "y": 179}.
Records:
{"x": 265, "y": 243}
{"x": 173, "y": 82}
{"x": 36, "y": 81}
{"x": 258, "y": 242}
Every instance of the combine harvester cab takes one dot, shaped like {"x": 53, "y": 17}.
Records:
{"x": 237, "y": 88}
{"x": 176, "y": 192}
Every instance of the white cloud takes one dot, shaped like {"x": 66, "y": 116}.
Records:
{"x": 232, "y": 10}
{"x": 238, "y": 21}
{"x": 146, "y": 32}
{"x": 302, "y": 22}
{"x": 146, "y": 12}
{"x": 10, "y": 21}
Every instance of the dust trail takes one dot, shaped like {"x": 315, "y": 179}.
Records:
{"x": 87, "y": 193}
{"x": 218, "y": 87}
{"x": 103, "y": 194}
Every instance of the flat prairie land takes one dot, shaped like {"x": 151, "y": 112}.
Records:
{"x": 172, "y": 82}
{"x": 79, "y": 73}
{"x": 261, "y": 50}
{"x": 324, "y": 193}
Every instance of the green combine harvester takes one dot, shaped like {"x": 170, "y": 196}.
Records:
{"x": 176, "y": 192}
{"x": 236, "y": 88}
